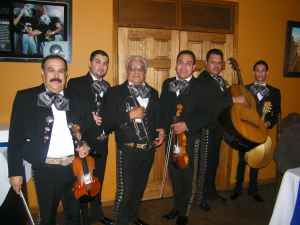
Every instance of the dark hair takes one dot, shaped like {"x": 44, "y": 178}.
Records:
{"x": 214, "y": 51}
{"x": 98, "y": 52}
{"x": 54, "y": 57}
{"x": 261, "y": 62}
{"x": 187, "y": 52}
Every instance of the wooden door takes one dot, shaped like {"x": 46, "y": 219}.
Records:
{"x": 160, "y": 48}
{"x": 200, "y": 44}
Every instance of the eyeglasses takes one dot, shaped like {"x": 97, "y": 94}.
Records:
{"x": 181, "y": 63}
{"x": 136, "y": 69}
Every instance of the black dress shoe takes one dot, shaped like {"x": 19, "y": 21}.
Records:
{"x": 140, "y": 222}
{"x": 171, "y": 215}
{"x": 106, "y": 221}
{"x": 182, "y": 220}
{"x": 257, "y": 197}
{"x": 221, "y": 198}
{"x": 234, "y": 196}
{"x": 204, "y": 206}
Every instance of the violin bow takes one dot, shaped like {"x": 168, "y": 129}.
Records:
{"x": 27, "y": 208}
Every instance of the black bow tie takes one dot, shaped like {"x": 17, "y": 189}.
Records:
{"x": 100, "y": 86}
{"x": 142, "y": 91}
{"x": 46, "y": 99}
{"x": 259, "y": 87}
{"x": 178, "y": 85}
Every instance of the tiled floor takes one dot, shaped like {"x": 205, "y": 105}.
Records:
{"x": 242, "y": 211}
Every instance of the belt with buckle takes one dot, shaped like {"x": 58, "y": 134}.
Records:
{"x": 138, "y": 146}
{"x": 63, "y": 161}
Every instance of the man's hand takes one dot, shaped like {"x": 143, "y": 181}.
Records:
{"x": 97, "y": 119}
{"x": 137, "y": 113}
{"x": 239, "y": 99}
{"x": 83, "y": 150}
{"x": 267, "y": 124}
{"x": 161, "y": 137}
{"x": 179, "y": 127}
{"x": 16, "y": 183}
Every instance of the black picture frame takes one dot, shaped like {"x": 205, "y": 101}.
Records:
{"x": 33, "y": 29}
{"x": 292, "y": 50}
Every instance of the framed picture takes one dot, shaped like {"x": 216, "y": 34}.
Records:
{"x": 31, "y": 30}
{"x": 292, "y": 50}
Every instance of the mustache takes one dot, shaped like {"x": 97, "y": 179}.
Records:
{"x": 56, "y": 79}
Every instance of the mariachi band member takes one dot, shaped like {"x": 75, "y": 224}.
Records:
{"x": 133, "y": 113}
{"x": 40, "y": 134}
{"x": 92, "y": 88}
{"x": 185, "y": 91}
{"x": 268, "y": 100}
{"x": 211, "y": 136}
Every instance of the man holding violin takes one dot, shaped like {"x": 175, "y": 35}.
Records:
{"x": 183, "y": 93}
{"x": 133, "y": 113}
{"x": 40, "y": 133}
{"x": 92, "y": 88}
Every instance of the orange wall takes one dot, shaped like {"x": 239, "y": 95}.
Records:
{"x": 261, "y": 34}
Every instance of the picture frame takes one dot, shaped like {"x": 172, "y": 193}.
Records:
{"x": 32, "y": 29}
{"x": 292, "y": 50}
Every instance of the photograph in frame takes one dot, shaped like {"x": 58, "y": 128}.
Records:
{"x": 292, "y": 52}
{"x": 31, "y": 30}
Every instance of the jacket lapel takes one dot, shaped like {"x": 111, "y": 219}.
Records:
{"x": 88, "y": 85}
{"x": 42, "y": 112}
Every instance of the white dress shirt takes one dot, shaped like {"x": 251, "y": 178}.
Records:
{"x": 61, "y": 141}
{"x": 142, "y": 101}
{"x": 94, "y": 78}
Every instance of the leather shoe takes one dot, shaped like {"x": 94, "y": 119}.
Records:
{"x": 204, "y": 206}
{"x": 106, "y": 221}
{"x": 257, "y": 197}
{"x": 182, "y": 220}
{"x": 171, "y": 215}
{"x": 140, "y": 222}
{"x": 221, "y": 198}
{"x": 234, "y": 196}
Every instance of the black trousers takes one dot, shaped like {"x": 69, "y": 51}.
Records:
{"x": 214, "y": 143}
{"x": 241, "y": 173}
{"x": 95, "y": 212}
{"x": 133, "y": 168}
{"x": 183, "y": 181}
{"x": 54, "y": 183}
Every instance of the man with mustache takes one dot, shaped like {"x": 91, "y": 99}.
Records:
{"x": 184, "y": 90}
{"x": 132, "y": 111}
{"x": 92, "y": 88}
{"x": 40, "y": 133}
{"x": 219, "y": 99}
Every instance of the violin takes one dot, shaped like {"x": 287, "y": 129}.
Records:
{"x": 86, "y": 186}
{"x": 180, "y": 156}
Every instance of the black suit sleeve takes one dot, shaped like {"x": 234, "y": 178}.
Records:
{"x": 16, "y": 138}
{"x": 201, "y": 116}
{"x": 113, "y": 114}
{"x": 274, "y": 115}
{"x": 163, "y": 105}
